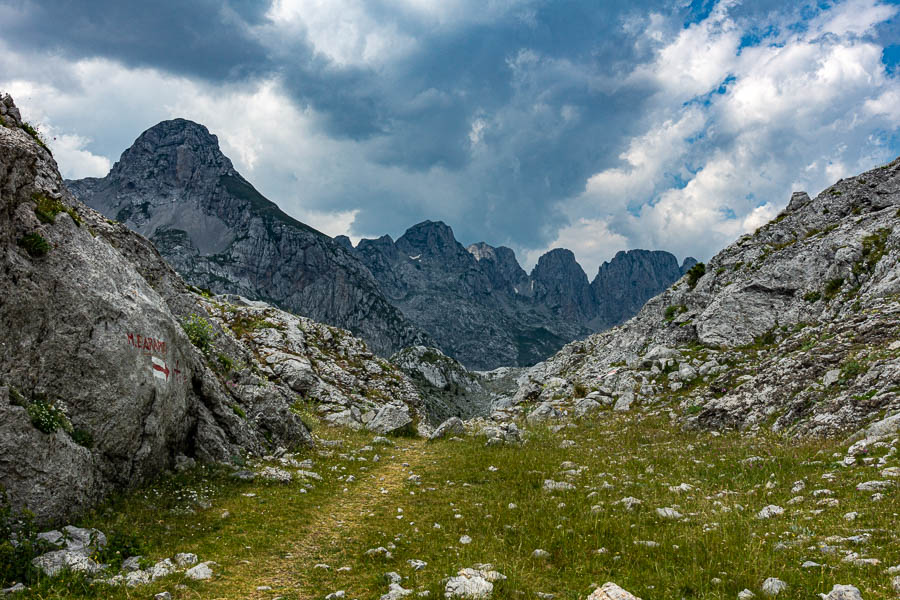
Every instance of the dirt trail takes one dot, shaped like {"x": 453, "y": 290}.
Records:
{"x": 337, "y": 523}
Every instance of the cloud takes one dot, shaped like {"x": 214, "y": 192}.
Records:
{"x": 743, "y": 124}
{"x": 527, "y": 123}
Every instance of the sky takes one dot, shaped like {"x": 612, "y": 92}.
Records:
{"x": 592, "y": 125}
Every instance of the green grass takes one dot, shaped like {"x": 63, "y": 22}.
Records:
{"x": 275, "y": 536}
{"x": 47, "y": 208}
{"x": 200, "y": 332}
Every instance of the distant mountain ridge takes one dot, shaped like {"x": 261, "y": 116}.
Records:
{"x": 482, "y": 308}
{"x": 174, "y": 186}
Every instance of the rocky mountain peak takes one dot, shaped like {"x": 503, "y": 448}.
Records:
{"x": 175, "y": 186}
{"x": 433, "y": 240}
{"x": 430, "y": 239}
{"x": 559, "y": 265}
{"x": 501, "y": 266}
{"x": 174, "y": 151}
{"x": 689, "y": 262}
{"x": 560, "y": 282}
{"x": 343, "y": 240}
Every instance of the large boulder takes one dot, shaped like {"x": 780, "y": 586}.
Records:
{"x": 452, "y": 426}
{"x": 391, "y": 418}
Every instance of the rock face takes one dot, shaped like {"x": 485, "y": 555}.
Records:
{"x": 484, "y": 310}
{"x": 112, "y": 370}
{"x": 175, "y": 187}
{"x": 794, "y": 328}
{"x": 327, "y": 368}
{"x": 624, "y": 284}
{"x": 450, "y": 389}
{"x": 101, "y": 387}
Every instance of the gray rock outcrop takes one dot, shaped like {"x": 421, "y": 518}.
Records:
{"x": 448, "y": 389}
{"x": 794, "y": 327}
{"x": 101, "y": 386}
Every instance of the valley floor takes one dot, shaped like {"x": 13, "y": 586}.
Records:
{"x": 455, "y": 504}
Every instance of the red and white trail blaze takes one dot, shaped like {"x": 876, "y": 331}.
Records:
{"x": 155, "y": 349}
{"x": 160, "y": 369}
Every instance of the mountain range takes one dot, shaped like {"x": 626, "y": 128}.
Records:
{"x": 175, "y": 186}
{"x": 483, "y": 309}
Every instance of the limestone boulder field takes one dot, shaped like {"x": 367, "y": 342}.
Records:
{"x": 793, "y": 327}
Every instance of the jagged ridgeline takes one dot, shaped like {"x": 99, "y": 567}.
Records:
{"x": 478, "y": 305}
{"x": 482, "y": 308}
{"x": 793, "y": 328}
{"x": 174, "y": 186}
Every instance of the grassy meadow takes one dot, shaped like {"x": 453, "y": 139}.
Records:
{"x": 418, "y": 500}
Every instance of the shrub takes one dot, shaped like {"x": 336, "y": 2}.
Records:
{"x": 119, "y": 546}
{"x": 199, "y": 331}
{"x": 851, "y": 369}
{"x": 832, "y": 287}
{"x": 34, "y": 133}
{"x": 873, "y": 248}
{"x": 47, "y": 417}
{"x": 35, "y": 245}
{"x": 766, "y": 339}
{"x": 15, "y": 560}
{"x": 83, "y": 438}
{"x": 245, "y": 324}
{"x": 225, "y": 363}
{"x": 695, "y": 273}
{"x": 47, "y": 208}
{"x": 812, "y": 296}
{"x": 580, "y": 390}
{"x": 674, "y": 310}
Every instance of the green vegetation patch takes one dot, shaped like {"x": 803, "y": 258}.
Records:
{"x": 673, "y": 311}
{"x": 15, "y": 558}
{"x": 34, "y": 244}
{"x": 244, "y": 324}
{"x": 46, "y": 416}
{"x": 695, "y": 273}
{"x": 833, "y": 287}
{"x": 813, "y": 296}
{"x": 47, "y": 208}
{"x": 873, "y": 249}
{"x": 274, "y": 534}
{"x": 36, "y": 135}
{"x": 200, "y": 332}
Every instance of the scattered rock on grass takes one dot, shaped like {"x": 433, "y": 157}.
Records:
{"x": 611, "y": 591}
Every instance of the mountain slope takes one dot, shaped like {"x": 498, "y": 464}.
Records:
{"x": 175, "y": 186}
{"x": 483, "y": 309}
{"x": 794, "y": 327}
{"x": 474, "y": 317}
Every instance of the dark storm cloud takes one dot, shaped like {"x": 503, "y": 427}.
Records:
{"x": 520, "y": 107}
{"x": 206, "y": 38}
{"x": 415, "y": 113}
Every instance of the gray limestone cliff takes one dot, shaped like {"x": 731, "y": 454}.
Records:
{"x": 174, "y": 186}
{"x": 793, "y": 328}
{"x": 632, "y": 277}
{"x": 483, "y": 309}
